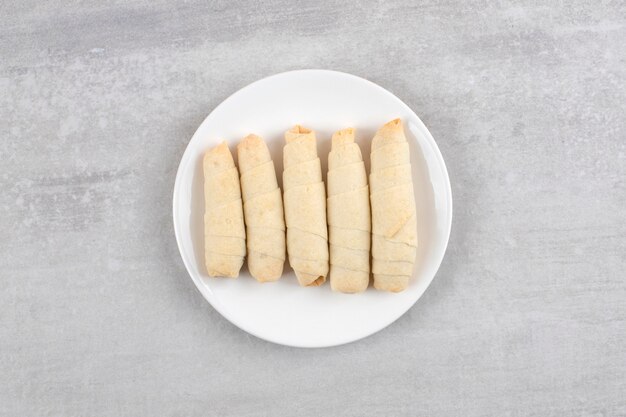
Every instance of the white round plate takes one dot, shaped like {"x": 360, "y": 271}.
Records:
{"x": 326, "y": 101}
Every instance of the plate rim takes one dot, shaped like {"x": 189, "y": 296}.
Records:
{"x": 208, "y": 294}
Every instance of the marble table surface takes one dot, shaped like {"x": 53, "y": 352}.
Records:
{"x": 527, "y": 315}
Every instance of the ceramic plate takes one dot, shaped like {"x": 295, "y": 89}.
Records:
{"x": 326, "y": 101}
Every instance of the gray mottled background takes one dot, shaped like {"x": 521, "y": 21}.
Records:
{"x": 527, "y": 315}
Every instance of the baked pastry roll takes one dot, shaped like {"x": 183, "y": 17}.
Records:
{"x": 394, "y": 227}
{"x": 305, "y": 207}
{"x": 224, "y": 234}
{"x": 263, "y": 210}
{"x": 349, "y": 223}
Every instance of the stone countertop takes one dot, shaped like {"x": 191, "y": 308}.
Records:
{"x": 527, "y": 315}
